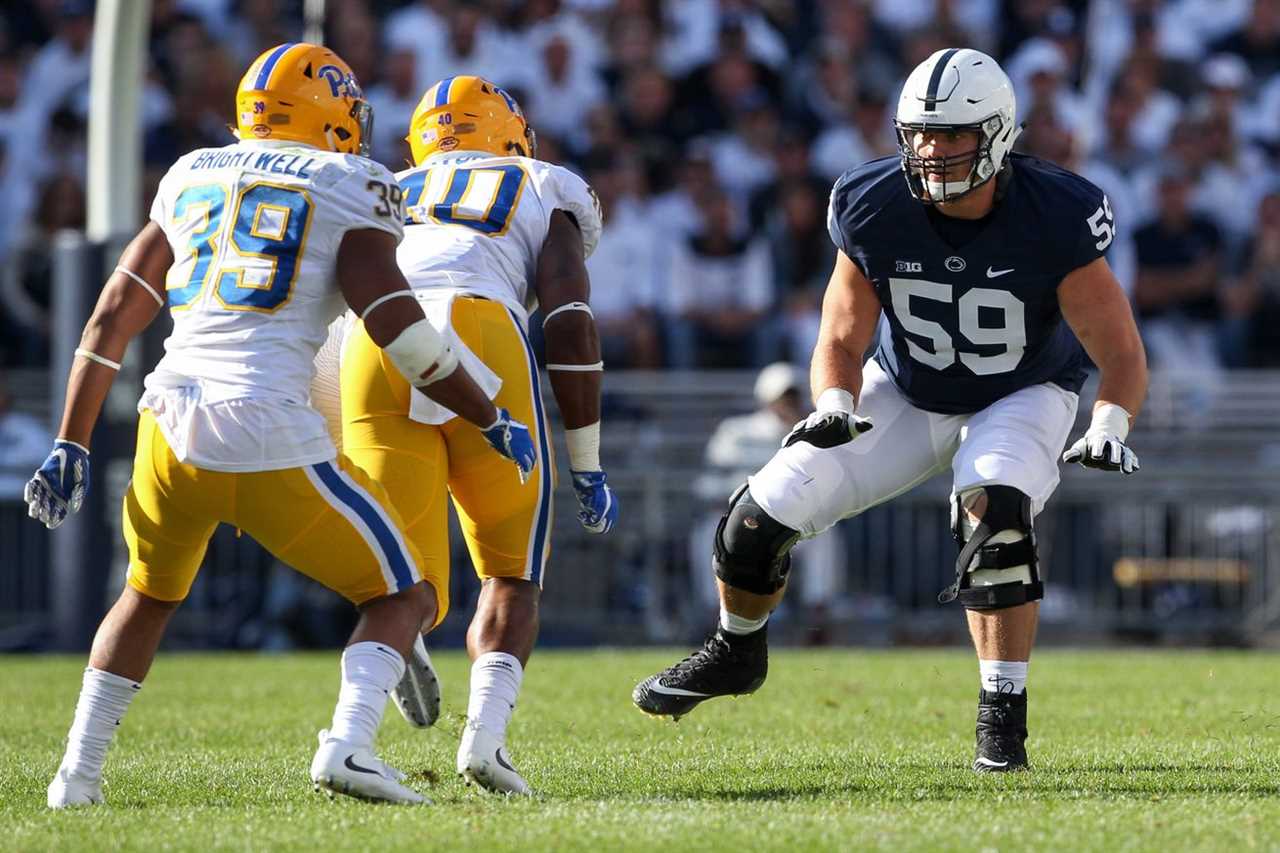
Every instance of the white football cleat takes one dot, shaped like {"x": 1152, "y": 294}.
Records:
{"x": 342, "y": 768}
{"x": 483, "y": 759}
{"x": 68, "y": 790}
{"x": 418, "y": 693}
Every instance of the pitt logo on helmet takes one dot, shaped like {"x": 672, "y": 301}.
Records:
{"x": 304, "y": 93}
{"x": 470, "y": 114}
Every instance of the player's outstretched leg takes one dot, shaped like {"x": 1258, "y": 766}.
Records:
{"x": 1002, "y": 732}
{"x": 727, "y": 665}
{"x": 752, "y": 558}
{"x": 500, "y": 641}
{"x": 418, "y": 693}
{"x": 123, "y": 650}
{"x": 372, "y": 666}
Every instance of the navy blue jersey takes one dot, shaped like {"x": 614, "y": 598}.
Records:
{"x": 965, "y": 325}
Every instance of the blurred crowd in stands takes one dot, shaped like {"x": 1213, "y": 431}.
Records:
{"x": 712, "y": 131}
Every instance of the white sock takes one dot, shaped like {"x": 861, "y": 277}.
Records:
{"x": 495, "y": 683}
{"x": 1003, "y": 676}
{"x": 734, "y": 624}
{"x": 104, "y": 697}
{"x": 370, "y": 671}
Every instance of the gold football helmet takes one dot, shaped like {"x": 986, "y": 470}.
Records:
{"x": 304, "y": 93}
{"x": 469, "y": 114}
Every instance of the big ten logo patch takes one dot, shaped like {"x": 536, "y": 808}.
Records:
{"x": 907, "y": 266}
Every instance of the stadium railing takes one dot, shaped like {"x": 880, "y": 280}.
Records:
{"x": 1188, "y": 550}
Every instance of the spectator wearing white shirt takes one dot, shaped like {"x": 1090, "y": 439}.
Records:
{"x": 393, "y": 100}
{"x": 633, "y": 45}
{"x": 744, "y": 158}
{"x": 1257, "y": 40}
{"x": 24, "y": 441}
{"x": 625, "y": 267}
{"x": 678, "y": 211}
{"x": 1115, "y": 144}
{"x": 696, "y": 28}
{"x": 57, "y": 73}
{"x": 548, "y": 20}
{"x": 1157, "y": 110}
{"x": 719, "y": 293}
{"x": 561, "y": 92}
{"x": 842, "y": 146}
{"x": 468, "y": 43}
{"x": 1039, "y": 71}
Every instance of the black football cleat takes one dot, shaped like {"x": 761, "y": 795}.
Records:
{"x": 1002, "y": 732}
{"x": 726, "y": 665}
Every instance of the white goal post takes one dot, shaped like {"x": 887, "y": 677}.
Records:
{"x": 116, "y": 85}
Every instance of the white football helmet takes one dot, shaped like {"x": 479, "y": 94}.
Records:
{"x": 956, "y": 89}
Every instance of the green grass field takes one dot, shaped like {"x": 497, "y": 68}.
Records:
{"x": 841, "y": 750}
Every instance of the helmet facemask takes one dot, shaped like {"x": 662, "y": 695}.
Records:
{"x": 981, "y": 164}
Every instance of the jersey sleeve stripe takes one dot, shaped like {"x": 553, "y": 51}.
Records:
{"x": 269, "y": 65}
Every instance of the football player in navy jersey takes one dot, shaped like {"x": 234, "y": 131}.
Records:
{"x": 984, "y": 272}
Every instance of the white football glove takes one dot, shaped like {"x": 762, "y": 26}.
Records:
{"x": 1102, "y": 446}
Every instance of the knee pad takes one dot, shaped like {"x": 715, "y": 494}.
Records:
{"x": 997, "y": 566}
{"x": 752, "y": 550}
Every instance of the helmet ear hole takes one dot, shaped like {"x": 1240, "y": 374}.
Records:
{"x": 342, "y": 133}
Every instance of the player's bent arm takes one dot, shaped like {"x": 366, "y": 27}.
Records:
{"x": 1096, "y": 309}
{"x": 129, "y": 301}
{"x": 572, "y": 341}
{"x": 376, "y": 290}
{"x": 850, "y": 311}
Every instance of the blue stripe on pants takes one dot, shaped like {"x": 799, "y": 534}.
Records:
{"x": 540, "y": 529}
{"x": 382, "y": 532}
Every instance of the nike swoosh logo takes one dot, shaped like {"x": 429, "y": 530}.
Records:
{"x": 351, "y": 765}
{"x": 658, "y": 687}
{"x": 62, "y": 464}
{"x": 987, "y": 762}
{"x": 502, "y": 761}
{"x": 997, "y": 273}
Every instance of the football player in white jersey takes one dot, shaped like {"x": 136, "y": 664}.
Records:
{"x": 491, "y": 233}
{"x": 260, "y": 244}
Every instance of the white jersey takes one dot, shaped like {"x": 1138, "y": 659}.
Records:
{"x": 255, "y": 229}
{"x": 476, "y": 223}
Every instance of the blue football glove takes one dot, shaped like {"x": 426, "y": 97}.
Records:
{"x": 59, "y": 487}
{"x": 598, "y": 506}
{"x": 511, "y": 438}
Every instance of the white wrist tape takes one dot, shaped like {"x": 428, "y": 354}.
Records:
{"x": 416, "y": 349}
{"x": 584, "y": 447}
{"x": 93, "y": 356}
{"x": 835, "y": 400}
{"x": 148, "y": 288}
{"x": 1110, "y": 419}
{"x": 568, "y": 306}
{"x": 381, "y": 299}
{"x": 577, "y": 368}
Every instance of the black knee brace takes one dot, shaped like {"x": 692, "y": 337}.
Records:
{"x": 752, "y": 551}
{"x": 1007, "y": 509}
